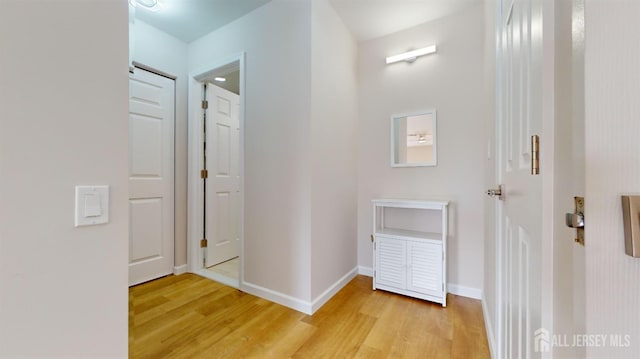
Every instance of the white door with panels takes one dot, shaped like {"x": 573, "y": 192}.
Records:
{"x": 223, "y": 178}
{"x": 151, "y": 172}
{"x": 520, "y": 196}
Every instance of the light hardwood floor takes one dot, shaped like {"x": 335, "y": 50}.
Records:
{"x": 188, "y": 316}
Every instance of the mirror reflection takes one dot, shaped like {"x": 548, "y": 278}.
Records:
{"x": 413, "y": 140}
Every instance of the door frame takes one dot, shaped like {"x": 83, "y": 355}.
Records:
{"x": 195, "y": 216}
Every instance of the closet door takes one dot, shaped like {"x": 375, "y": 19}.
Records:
{"x": 151, "y": 153}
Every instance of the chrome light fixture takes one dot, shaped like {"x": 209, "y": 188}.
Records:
{"x": 411, "y": 56}
{"x": 152, "y": 5}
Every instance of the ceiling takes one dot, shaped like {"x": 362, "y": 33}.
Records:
{"x": 369, "y": 19}
{"x": 366, "y": 19}
{"x": 190, "y": 19}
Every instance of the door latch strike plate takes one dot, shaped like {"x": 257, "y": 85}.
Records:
{"x": 579, "y": 201}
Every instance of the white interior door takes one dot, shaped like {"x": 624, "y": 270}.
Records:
{"x": 520, "y": 211}
{"x": 223, "y": 184}
{"x": 151, "y": 154}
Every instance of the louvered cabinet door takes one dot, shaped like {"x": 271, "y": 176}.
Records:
{"x": 391, "y": 262}
{"x": 424, "y": 268}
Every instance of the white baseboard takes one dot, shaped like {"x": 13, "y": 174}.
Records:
{"x": 182, "y": 269}
{"x": 332, "y": 290}
{"x": 489, "y": 329}
{"x": 300, "y": 305}
{"x": 277, "y": 297}
{"x": 468, "y": 292}
{"x": 368, "y": 271}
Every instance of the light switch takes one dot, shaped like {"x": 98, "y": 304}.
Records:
{"x": 92, "y": 205}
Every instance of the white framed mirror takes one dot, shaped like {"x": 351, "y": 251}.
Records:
{"x": 413, "y": 139}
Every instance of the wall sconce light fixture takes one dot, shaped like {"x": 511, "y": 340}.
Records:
{"x": 411, "y": 56}
{"x": 152, "y": 5}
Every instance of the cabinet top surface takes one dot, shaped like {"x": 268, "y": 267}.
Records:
{"x": 411, "y": 203}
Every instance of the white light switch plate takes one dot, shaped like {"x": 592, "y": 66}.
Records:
{"x": 92, "y": 205}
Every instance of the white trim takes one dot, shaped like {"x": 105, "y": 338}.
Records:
{"x": 195, "y": 193}
{"x": 499, "y": 272}
{"x": 368, "y": 271}
{"x": 300, "y": 305}
{"x": 488, "y": 328}
{"x": 194, "y": 213}
{"x": 181, "y": 269}
{"x": 277, "y": 297}
{"x": 332, "y": 290}
{"x": 474, "y": 293}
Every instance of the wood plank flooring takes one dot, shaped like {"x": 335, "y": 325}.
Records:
{"x": 188, "y": 316}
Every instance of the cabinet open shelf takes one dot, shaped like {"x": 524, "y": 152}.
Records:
{"x": 409, "y": 234}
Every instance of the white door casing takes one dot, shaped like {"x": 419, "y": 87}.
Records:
{"x": 151, "y": 176}
{"x": 519, "y": 215}
{"x": 223, "y": 182}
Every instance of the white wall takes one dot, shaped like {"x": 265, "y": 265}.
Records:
{"x": 300, "y": 144}
{"x": 166, "y": 53}
{"x": 451, "y": 82}
{"x": 333, "y": 148}
{"x": 276, "y": 40}
{"x": 612, "y": 129}
{"x": 64, "y": 122}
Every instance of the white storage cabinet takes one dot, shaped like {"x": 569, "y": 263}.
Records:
{"x": 410, "y": 257}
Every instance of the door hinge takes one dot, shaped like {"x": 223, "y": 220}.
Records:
{"x": 203, "y": 243}
{"x": 204, "y": 174}
{"x": 205, "y": 104}
{"x": 535, "y": 155}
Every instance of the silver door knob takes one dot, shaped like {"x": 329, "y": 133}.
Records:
{"x": 496, "y": 192}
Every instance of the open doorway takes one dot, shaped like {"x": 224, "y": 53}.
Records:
{"x": 216, "y": 159}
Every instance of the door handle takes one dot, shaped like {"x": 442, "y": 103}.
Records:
{"x": 498, "y": 192}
